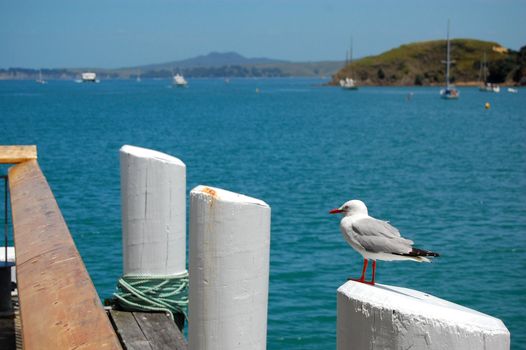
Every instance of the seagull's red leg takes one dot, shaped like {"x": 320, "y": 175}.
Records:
{"x": 374, "y": 271}
{"x": 361, "y": 279}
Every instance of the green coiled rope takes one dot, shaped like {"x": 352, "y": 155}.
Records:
{"x": 153, "y": 293}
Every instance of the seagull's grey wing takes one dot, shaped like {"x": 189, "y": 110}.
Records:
{"x": 373, "y": 227}
{"x": 380, "y": 237}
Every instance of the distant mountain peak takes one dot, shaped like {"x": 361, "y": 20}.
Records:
{"x": 232, "y": 54}
{"x": 216, "y": 59}
{"x": 213, "y": 59}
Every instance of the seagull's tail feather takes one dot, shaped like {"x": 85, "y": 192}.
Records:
{"x": 420, "y": 255}
{"x": 421, "y": 252}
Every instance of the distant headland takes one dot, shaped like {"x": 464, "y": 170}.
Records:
{"x": 411, "y": 64}
{"x": 421, "y": 63}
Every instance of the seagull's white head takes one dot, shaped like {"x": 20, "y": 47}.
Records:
{"x": 351, "y": 207}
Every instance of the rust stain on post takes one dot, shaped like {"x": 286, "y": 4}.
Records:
{"x": 59, "y": 306}
{"x": 209, "y": 191}
{"x": 17, "y": 154}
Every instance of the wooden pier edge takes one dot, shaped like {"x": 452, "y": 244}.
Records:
{"x": 17, "y": 154}
{"x": 59, "y": 306}
{"x": 147, "y": 330}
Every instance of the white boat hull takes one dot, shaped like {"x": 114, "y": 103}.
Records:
{"x": 449, "y": 94}
{"x": 348, "y": 84}
{"x": 179, "y": 81}
{"x": 490, "y": 88}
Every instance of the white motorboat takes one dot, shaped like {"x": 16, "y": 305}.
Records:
{"x": 179, "y": 80}
{"x": 89, "y": 77}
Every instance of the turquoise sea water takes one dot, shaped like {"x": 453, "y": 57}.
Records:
{"x": 449, "y": 174}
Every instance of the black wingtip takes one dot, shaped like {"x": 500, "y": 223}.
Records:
{"x": 421, "y": 252}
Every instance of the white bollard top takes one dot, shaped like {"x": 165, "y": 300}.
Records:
{"x": 213, "y": 193}
{"x": 229, "y": 270}
{"x": 410, "y": 301}
{"x": 402, "y": 316}
{"x": 148, "y": 153}
{"x": 153, "y": 201}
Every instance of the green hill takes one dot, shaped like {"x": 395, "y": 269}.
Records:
{"x": 421, "y": 64}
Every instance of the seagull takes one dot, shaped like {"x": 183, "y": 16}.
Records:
{"x": 375, "y": 239}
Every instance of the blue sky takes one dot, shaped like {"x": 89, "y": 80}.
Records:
{"x": 119, "y": 33}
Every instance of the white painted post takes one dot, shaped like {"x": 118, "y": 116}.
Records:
{"x": 10, "y": 259}
{"x": 387, "y": 317}
{"x": 153, "y": 186}
{"x": 229, "y": 270}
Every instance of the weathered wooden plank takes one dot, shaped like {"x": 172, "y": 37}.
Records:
{"x": 59, "y": 306}
{"x": 161, "y": 331}
{"x": 7, "y": 333}
{"x": 10, "y": 329}
{"x": 17, "y": 154}
{"x": 130, "y": 334}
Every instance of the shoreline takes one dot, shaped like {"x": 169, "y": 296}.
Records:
{"x": 325, "y": 84}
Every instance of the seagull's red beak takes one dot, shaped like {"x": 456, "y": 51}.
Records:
{"x": 336, "y": 211}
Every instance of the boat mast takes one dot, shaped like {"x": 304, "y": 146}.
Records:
{"x": 350, "y": 59}
{"x": 485, "y": 69}
{"x": 481, "y": 67}
{"x": 448, "y": 61}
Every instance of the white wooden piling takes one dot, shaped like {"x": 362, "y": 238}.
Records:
{"x": 7, "y": 276}
{"x": 153, "y": 186}
{"x": 10, "y": 258}
{"x": 386, "y": 317}
{"x": 229, "y": 270}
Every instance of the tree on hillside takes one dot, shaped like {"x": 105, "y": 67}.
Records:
{"x": 380, "y": 74}
{"x": 519, "y": 76}
{"x": 499, "y": 70}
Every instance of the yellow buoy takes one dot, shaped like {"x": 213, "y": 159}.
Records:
{"x": 487, "y": 105}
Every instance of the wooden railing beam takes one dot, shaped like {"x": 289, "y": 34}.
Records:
{"x": 59, "y": 306}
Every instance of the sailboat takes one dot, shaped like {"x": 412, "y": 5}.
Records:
{"x": 138, "y": 75}
{"x": 40, "y": 80}
{"x": 486, "y": 86}
{"x": 349, "y": 83}
{"x": 449, "y": 92}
